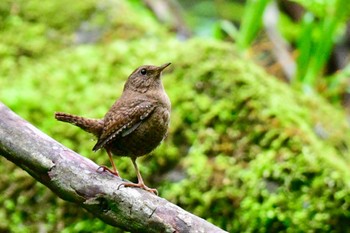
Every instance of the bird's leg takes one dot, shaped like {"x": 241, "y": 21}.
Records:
{"x": 104, "y": 168}
{"x": 140, "y": 183}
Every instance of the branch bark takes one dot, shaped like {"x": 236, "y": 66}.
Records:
{"x": 75, "y": 178}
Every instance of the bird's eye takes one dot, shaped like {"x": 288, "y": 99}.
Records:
{"x": 143, "y": 71}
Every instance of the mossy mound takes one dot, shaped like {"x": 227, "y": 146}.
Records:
{"x": 244, "y": 151}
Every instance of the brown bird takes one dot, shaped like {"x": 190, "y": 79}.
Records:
{"x": 136, "y": 123}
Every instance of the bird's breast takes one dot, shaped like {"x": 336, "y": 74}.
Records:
{"x": 146, "y": 137}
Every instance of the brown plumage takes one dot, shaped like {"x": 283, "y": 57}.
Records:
{"x": 136, "y": 123}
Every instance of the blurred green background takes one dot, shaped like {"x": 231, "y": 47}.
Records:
{"x": 259, "y": 136}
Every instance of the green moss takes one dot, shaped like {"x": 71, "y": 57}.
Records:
{"x": 248, "y": 145}
{"x": 35, "y": 28}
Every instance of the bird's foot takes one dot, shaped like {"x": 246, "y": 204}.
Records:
{"x": 101, "y": 169}
{"x": 141, "y": 186}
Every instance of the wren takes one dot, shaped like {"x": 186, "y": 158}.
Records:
{"x": 136, "y": 123}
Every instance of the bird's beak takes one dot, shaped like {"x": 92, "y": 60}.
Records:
{"x": 162, "y": 67}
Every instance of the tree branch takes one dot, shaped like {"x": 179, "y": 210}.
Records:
{"x": 75, "y": 178}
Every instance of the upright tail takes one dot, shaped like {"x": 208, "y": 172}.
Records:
{"x": 94, "y": 126}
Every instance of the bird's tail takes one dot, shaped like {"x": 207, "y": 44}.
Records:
{"x": 93, "y": 126}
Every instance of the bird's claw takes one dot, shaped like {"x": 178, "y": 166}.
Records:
{"x": 101, "y": 169}
{"x": 139, "y": 185}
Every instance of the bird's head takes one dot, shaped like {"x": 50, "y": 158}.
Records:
{"x": 144, "y": 78}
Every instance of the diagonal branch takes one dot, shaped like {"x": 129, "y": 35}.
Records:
{"x": 75, "y": 178}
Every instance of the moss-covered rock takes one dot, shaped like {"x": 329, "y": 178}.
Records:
{"x": 35, "y": 28}
{"x": 244, "y": 151}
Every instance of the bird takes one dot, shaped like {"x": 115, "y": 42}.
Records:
{"x": 135, "y": 124}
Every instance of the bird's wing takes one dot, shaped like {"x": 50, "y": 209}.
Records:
{"x": 123, "y": 119}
